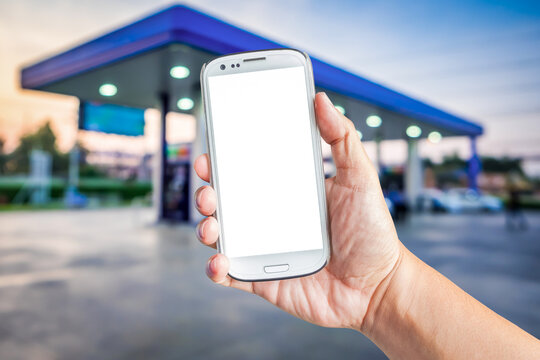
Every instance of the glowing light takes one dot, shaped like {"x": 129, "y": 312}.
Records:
{"x": 359, "y": 134}
{"x": 413, "y": 131}
{"x": 179, "y": 72}
{"x": 340, "y": 108}
{"x": 185, "y": 104}
{"x": 373, "y": 121}
{"x": 108, "y": 90}
{"x": 434, "y": 137}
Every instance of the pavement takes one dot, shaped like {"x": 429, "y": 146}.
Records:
{"x": 107, "y": 284}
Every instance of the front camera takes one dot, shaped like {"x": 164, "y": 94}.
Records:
{"x": 237, "y": 65}
{"x": 222, "y": 67}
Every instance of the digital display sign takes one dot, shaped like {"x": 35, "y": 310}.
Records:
{"x": 111, "y": 119}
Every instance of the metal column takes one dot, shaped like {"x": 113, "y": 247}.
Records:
{"x": 159, "y": 195}
{"x": 378, "y": 160}
{"x": 414, "y": 180}
{"x": 474, "y": 165}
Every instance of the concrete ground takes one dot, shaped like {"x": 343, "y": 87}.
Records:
{"x": 105, "y": 284}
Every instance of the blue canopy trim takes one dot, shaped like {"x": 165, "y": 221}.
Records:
{"x": 181, "y": 24}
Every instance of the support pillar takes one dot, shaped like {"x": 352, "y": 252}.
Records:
{"x": 378, "y": 161}
{"x": 161, "y": 159}
{"x": 474, "y": 165}
{"x": 414, "y": 180}
{"x": 74, "y": 155}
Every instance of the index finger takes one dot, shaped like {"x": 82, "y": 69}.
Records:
{"x": 202, "y": 167}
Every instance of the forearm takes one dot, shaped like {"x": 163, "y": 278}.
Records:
{"x": 418, "y": 313}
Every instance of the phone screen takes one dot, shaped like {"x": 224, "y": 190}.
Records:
{"x": 265, "y": 162}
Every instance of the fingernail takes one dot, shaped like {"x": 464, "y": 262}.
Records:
{"x": 200, "y": 229}
{"x": 197, "y": 194}
{"x": 199, "y": 197}
{"x": 210, "y": 267}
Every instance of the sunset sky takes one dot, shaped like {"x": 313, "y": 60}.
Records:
{"x": 479, "y": 59}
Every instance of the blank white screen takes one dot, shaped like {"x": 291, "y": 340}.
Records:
{"x": 265, "y": 162}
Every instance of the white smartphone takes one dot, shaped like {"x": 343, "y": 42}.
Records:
{"x": 266, "y": 164}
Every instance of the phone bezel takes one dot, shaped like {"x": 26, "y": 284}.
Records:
{"x": 301, "y": 263}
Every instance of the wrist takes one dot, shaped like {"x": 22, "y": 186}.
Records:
{"x": 394, "y": 317}
{"x": 392, "y": 298}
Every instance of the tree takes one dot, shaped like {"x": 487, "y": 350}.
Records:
{"x": 18, "y": 161}
{"x": 3, "y": 157}
{"x": 503, "y": 165}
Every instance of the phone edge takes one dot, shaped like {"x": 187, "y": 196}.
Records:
{"x": 311, "y": 81}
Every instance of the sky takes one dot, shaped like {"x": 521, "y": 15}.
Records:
{"x": 476, "y": 59}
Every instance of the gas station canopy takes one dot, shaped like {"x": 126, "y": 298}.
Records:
{"x": 137, "y": 60}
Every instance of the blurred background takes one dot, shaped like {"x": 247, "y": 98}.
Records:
{"x": 101, "y": 119}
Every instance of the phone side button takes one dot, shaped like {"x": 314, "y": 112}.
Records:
{"x": 276, "y": 268}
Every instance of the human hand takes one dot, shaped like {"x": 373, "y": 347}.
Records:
{"x": 364, "y": 244}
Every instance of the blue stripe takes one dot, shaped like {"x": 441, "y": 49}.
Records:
{"x": 181, "y": 24}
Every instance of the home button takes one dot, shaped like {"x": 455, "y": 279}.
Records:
{"x": 276, "y": 268}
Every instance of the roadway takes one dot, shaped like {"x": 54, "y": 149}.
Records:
{"x": 107, "y": 284}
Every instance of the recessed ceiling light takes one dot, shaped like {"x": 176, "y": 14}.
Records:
{"x": 185, "y": 104}
{"x": 434, "y": 137}
{"x": 373, "y": 121}
{"x": 340, "y": 108}
{"x": 413, "y": 131}
{"x": 179, "y": 72}
{"x": 108, "y": 90}
{"x": 359, "y": 134}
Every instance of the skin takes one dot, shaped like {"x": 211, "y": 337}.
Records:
{"x": 372, "y": 283}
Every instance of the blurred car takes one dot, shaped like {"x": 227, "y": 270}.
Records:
{"x": 459, "y": 200}
{"x": 431, "y": 200}
{"x": 491, "y": 203}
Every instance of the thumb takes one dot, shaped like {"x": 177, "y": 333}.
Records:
{"x": 336, "y": 130}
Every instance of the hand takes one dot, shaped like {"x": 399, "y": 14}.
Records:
{"x": 365, "y": 246}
